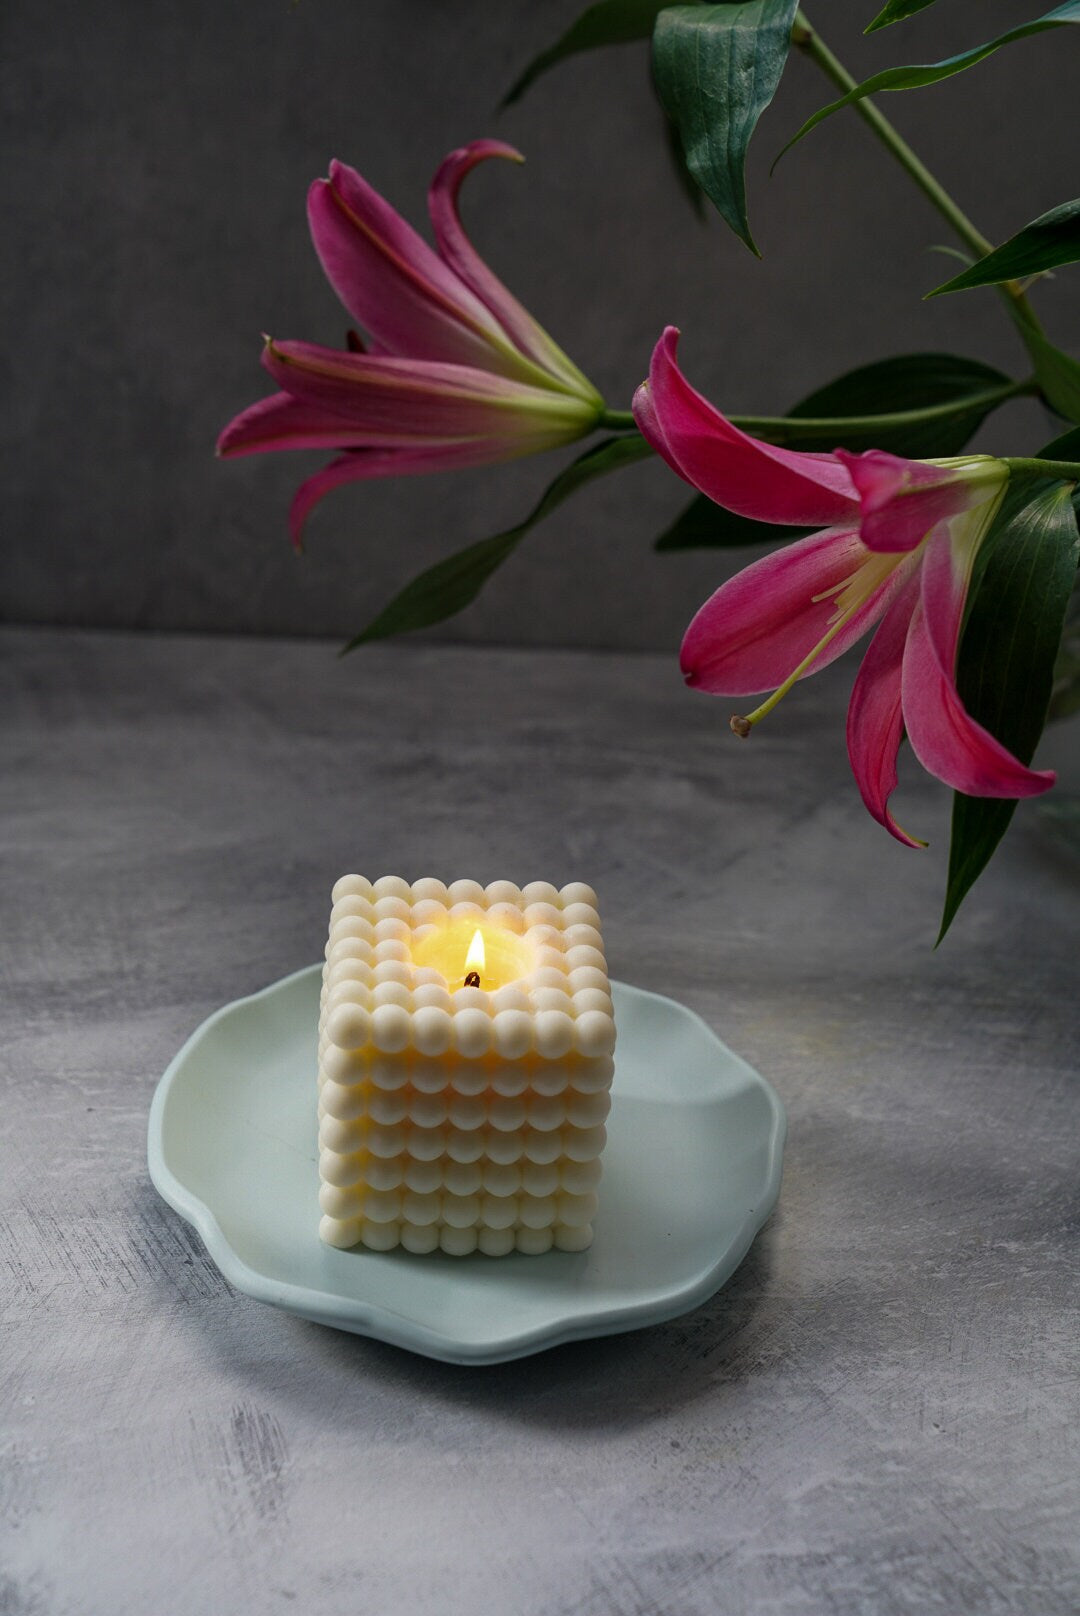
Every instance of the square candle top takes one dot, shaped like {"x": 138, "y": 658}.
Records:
{"x": 465, "y": 1063}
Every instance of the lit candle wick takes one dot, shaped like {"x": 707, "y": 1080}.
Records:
{"x": 474, "y": 960}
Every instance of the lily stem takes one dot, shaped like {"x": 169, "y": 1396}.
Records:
{"x": 806, "y": 38}
{"x": 617, "y": 421}
{"x": 1068, "y": 470}
{"x": 793, "y": 429}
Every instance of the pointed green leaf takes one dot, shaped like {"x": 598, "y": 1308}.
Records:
{"x": 914, "y": 78}
{"x": 1051, "y": 239}
{"x": 716, "y": 70}
{"x": 896, "y": 11}
{"x": 1065, "y": 699}
{"x": 1067, "y": 447}
{"x": 451, "y": 585}
{"x": 1057, "y": 373}
{"x": 935, "y": 402}
{"x": 609, "y": 22}
{"x": 705, "y": 526}
{"x": 1005, "y": 670}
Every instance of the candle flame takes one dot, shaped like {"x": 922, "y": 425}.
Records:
{"x": 474, "y": 959}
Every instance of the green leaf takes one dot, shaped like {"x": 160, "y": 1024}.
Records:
{"x": 1065, "y": 698}
{"x": 451, "y": 585}
{"x": 896, "y": 11}
{"x": 943, "y": 396}
{"x": 914, "y": 78}
{"x": 1067, "y": 447}
{"x": 705, "y": 526}
{"x": 938, "y": 401}
{"x": 1005, "y": 670}
{"x": 1057, "y": 373}
{"x": 1051, "y": 239}
{"x": 610, "y": 22}
{"x": 716, "y": 70}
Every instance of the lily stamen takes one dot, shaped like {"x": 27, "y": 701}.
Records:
{"x": 778, "y": 694}
{"x": 857, "y": 588}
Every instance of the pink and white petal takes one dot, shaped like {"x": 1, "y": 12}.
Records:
{"x": 398, "y": 400}
{"x": 391, "y": 281}
{"x": 364, "y": 465}
{"x": 756, "y": 629}
{"x": 739, "y": 472}
{"x": 902, "y": 500}
{"x": 284, "y": 422}
{"x": 944, "y": 737}
{"x": 526, "y": 335}
{"x": 875, "y": 722}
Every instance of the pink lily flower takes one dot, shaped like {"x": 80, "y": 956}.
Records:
{"x": 455, "y": 372}
{"x": 897, "y": 548}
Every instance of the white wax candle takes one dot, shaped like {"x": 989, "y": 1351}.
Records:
{"x": 454, "y": 1115}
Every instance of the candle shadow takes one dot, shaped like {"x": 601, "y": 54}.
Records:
{"x": 605, "y": 1383}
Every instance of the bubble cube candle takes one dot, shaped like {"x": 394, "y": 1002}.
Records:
{"x": 465, "y": 1065}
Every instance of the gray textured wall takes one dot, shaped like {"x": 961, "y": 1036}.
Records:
{"x": 158, "y": 158}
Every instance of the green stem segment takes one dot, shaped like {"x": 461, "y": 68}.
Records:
{"x": 617, "y": 421}
{"x": 1067, "y": 470}
{"x": 790, "y": 429}
{"x": 809, "y": 42}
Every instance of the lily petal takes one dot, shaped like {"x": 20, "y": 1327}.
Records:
{"x": 944, "y": 737}
{"x": 739, "y": 472}
{"x": 875, "y": 723}
{"x": 526, "y": 334}
{"x": 363, "y": 465}
{"x": 392, "y": 282}
{"x": 389, "y": 400}
{"x": 651, "y": 427}
{"x": 902, "y": 500}
{"x": 762, "y": 623}
{"x": 284, "y": 422}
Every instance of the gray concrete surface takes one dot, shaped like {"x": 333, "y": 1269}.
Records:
{"x": 157, "y": 159}
{"x": 876, "y": 1417}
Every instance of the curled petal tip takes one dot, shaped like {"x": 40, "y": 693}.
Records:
{"x": 476, "y": 150}
{"x": 904, "y": 837}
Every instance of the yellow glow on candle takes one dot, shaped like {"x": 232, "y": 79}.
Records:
{"x": 498, "y": 954}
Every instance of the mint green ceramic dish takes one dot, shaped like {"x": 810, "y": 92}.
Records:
{"x": 691, "y": 1172}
